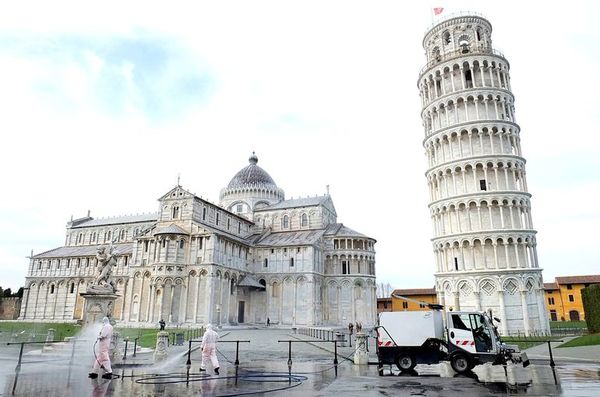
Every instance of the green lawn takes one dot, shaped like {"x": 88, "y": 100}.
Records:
{"x": 527, "y": 342}
{"x": 585, "y": 340}
{"x": 568, "y": 324}
{"x": 22, "y": 330}
{"x": 40, "y": 330}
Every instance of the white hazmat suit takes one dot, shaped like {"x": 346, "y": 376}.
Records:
{"x": 209, "y": 349}
{"x": 102, "y": 359}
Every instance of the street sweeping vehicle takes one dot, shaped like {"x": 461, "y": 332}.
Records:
{"x": 466, "y": 339}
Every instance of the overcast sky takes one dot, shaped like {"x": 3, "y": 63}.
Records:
{"x": 101, "y": 107}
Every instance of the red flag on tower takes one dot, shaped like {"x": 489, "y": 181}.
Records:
{"x": 438, "y": 10}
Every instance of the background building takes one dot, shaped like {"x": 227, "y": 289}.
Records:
{"x": 254, "y": 256}
{"x": 563, "y": 297}
{"x": 484, "y": 242}
{"x": 426, "y": 295}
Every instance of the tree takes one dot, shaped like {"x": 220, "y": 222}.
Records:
{"x": 20, "y": 292}
{"x": 7, "y": 293}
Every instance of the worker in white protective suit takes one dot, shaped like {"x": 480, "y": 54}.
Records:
{"x": 101, "y": 359}
{"x": 209, "y": 349}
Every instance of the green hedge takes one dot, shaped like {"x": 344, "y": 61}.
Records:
{"x": 591, "y": 306}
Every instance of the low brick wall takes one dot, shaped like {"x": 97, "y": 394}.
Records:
{"x": 10, "y": 308}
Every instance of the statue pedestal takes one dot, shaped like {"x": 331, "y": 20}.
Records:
{"x": 162, "y": 340}
{"x": 113, "y": 351}
{"x": 98, "y": 304}
{"x": 361, "y": 357}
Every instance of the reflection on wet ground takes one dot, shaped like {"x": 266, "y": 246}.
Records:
{"x": 264, "y": 368}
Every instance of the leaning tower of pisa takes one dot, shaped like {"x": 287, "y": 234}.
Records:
{"x": 484, "y": 242}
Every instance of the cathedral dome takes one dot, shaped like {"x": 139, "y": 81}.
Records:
{"x": 252, "y": 187}
{"x": 251, "y": 175}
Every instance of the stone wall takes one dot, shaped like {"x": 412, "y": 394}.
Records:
{"x": 10, "y": 308}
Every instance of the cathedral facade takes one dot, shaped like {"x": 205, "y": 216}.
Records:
{"x": 254, "y": 256}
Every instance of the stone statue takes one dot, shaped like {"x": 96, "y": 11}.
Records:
{"x": 106, "y": 262}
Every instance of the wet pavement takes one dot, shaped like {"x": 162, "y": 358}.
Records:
{"x": 263, "y": 368}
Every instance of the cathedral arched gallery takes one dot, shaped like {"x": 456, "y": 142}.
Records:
{"x": 253, "y": 256}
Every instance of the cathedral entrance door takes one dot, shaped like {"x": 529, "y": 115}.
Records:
{"x": 241, "y": 305}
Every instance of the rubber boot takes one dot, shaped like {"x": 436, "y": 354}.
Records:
{"x": 92, "y": 375}
{"x": 107, "y": 375}
{"x": 217, "y": 370}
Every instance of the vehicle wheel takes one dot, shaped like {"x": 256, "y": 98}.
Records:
{"x": 460, "y": 363}
{"x": 405, "y": 362}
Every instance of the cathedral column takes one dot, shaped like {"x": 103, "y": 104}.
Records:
{"x": 150, "y": 306}
{"x": 296, "y": 299}
{"x": 456, "y": 296}
{"x": 196, "y": 298}
{"x": 183, "y": 298}
{"x": 495, "y": 245}
{"x": 130, "y": 300}
{"x": 125, "y": 291}
{"x": 228, "y": 306}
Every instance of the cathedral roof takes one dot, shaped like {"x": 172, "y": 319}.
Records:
{"x": 84, "y": 250}
{"x": 304, "y": 237}
{"x": 338, "y": 229}
{"x": 171, "y": 229}
{"x": 118, "y": 220}
{"x": 249, "y": 281}
{"x": 296, "y": 203}
{"x": 251, "y": 175}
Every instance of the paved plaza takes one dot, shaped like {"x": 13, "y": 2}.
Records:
{"x": 263, "y": 369}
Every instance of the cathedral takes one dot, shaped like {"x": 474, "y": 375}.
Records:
{"x": 253, "y": 257}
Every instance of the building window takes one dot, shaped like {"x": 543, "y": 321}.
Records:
{"x": 52, "y": 289}
{"x": 272, "y": 251}
{"x": 291, "y": 262}
{"x": 344, "y": 267}
{"x": 175, "y": 212}
{"x": 266, "y": 262}
{"x": 298, "y": 250}
{"x": 204, "y": 213}
{"x": 199, "y": 242}
{"x": 304, "y": 220}
{"x": 550, "y": 301}
{"x": 239, "y": 227}
{"x": 125, "y": 260}
{"x": 164, "y": 243}
{"x": 482, "y": 184}
{"x": 455, "y": 263}
{"x": 217, "y": 219}
{"x": 571, "y": 298}
{"x": 405, "y": 305}
{"x": 239, "y": 208}
{"x": 146, "y": 246}
{"x": 569, "y": 286}
{"x": 553, "y": 316}
{"x": 72, "y": 288}
{"x": 286, "y": 222}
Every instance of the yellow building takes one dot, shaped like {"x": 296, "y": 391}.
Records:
{"x": 563, "y": 297}
{"x": 384, "y": 305}
{"x": 426, "y": 295}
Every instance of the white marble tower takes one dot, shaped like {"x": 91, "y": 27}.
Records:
{"x": 484, "y": 242}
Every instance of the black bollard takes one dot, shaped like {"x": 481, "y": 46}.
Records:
{"x": 335, "y": 360}
{"x": 135, "y": 345}
{"x": 189, "y": 355}
{"x": 552, "y": 364}
{"x": 290, "y": 362}
{"x": 126, "y": 343}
